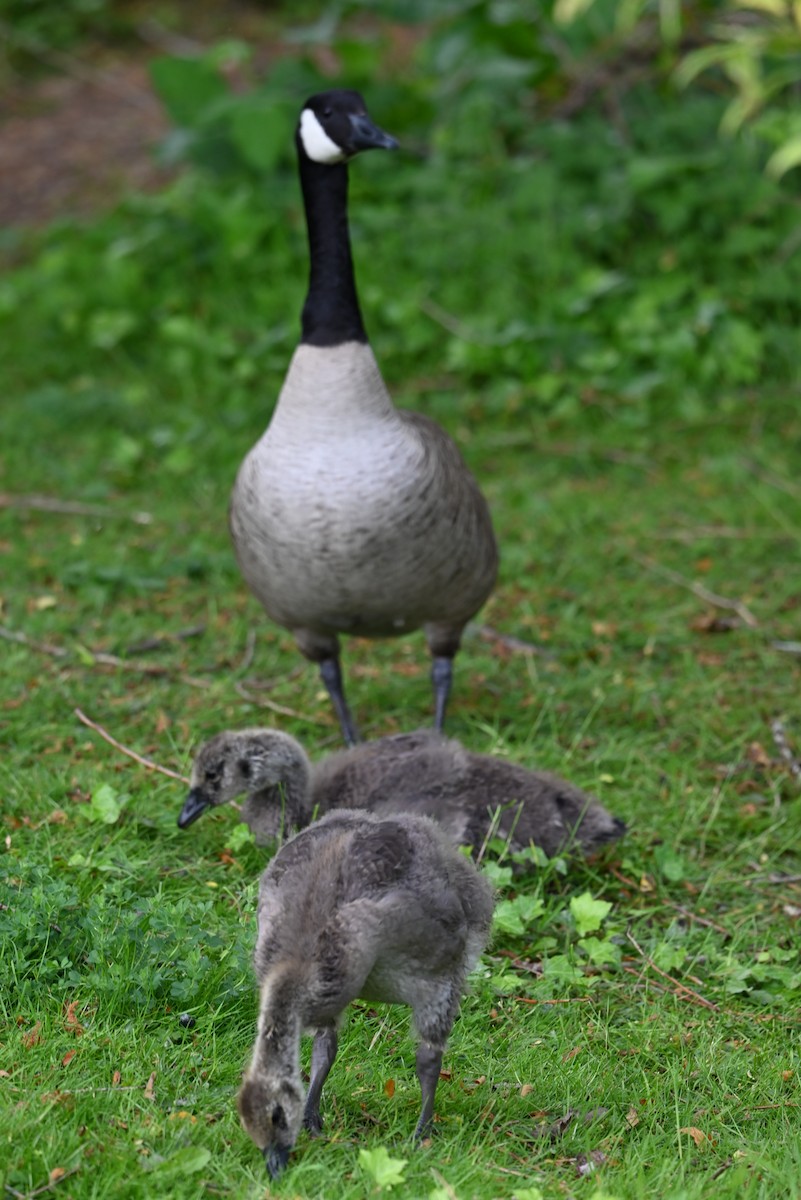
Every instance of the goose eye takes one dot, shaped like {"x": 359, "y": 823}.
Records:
{"x": 328, "y": 111}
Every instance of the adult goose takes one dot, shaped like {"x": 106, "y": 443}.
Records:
{"x": 350, "y": 516}
{"x": 355, "y": 906}
{"x": 471, "y": 796}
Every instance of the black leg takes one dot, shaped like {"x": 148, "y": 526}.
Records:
{"x": 429, "y": 1061}
{"x": 441, "y": 676}
{"x": 331, "y": 676}
{"x": 324, "y": 1051}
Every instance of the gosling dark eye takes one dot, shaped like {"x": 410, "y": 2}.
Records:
{"x": 244, "y": 768}
{"x": 278, "y": 1117}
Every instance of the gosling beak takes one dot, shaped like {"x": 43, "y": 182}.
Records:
{"x": 194, "y": 804}
{"x": 275, "y": 1159}
{"x": 364, "y": 135}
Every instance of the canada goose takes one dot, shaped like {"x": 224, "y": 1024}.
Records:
{"x": 350, "y": 515}
{"x": 355, "y": 906}
{"x": 469, "y": 795}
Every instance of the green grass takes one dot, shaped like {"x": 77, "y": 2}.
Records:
{"x": 620, "y": 368}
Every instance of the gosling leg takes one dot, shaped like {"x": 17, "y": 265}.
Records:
{"x": 441, "y": 677}
{"x": 428, "y": 1062}
{"x": 324, "y": 1051}
{"x": 331, "y": 675}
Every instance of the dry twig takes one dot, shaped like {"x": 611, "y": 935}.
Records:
{"x": 784, "y": 747}
{"x": 677, "y": 985}
{"x": 703, "y": 593}
{"x": 488, "y": 634}
{"x": 46, "y": 1187}
{"x": 22, "y": 639}
{"x": 70, "y": 508}
{"x": 144, "y": 762}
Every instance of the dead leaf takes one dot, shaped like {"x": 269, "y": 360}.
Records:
{"x": 604, "y": 628}
{"x": 698, "y": 1135}
{"x": 5, "y": 1074}
{"x": 68, "y": 1057}
{"x": 792, "y": 911}
{"x": 57, "y": 1173}
{"x": 116, "y": 1079}
{"x": 631, "y": 1117}
{"x": 227, "y": 857}
{"x": 526, "y": 1089}
{"x": 71, "y": 1022}
{"x": 162, "y": 722}
{"x": 33, "y": 1036}
{"x": 714, "y": 622}
{"x": 389, "y": 1088}
{"x": 787, "y": 1076}
{"x": 571, "y": 1054}
{"x": 756, "y": 753}
{"x": 149, "y": 1093}
{"x": 183, "y": 1115}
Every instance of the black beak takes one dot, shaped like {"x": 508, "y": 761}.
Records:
{"x": 364, "y": 135}
{"x": 194, "y": 804}
{"x": 275, "y": 1159}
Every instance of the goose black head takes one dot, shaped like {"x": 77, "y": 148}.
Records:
{"x": 334, "y": 126}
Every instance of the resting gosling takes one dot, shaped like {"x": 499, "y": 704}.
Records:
{"x": 350, "y": 516}
{"x": 469, "y": 795}
{"x": 355, "y": 906}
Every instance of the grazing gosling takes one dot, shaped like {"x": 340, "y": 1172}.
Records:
{"x": 356, "y": 906}
{"x": 471, "y": 796}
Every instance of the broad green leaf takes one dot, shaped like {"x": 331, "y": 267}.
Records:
{"x": 105, "y": 805}
{"x": 186, "y": 87}
{"x": 785, "y": 158}
{"x": 262, "y": 131}
{"x": 670, "y": 864}
{"x": 588, "y": 914}
{"x": 384, "y": 1170}
{"x": 187, "y": 1161}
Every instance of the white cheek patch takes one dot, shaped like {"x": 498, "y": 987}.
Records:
{"x": 318, "y": 145}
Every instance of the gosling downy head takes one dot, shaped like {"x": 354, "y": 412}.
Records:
{"x": 271, "y": 1112}
{"x": 245, "y": 761}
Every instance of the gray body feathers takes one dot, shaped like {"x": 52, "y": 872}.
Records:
{"x": 469, "y": 795}
{"x": 351, "y": 516}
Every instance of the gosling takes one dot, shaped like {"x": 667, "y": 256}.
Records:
{"x": 356, "y": 906}
{"x": 471, "y": 796}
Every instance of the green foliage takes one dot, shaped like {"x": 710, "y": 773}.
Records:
{"x": 105, "y": 805}
{"x": 31, "y": 27}
{"x": 587, "y": 913}
{"x": 758, "y": 48}
{"x": 386, "y": 1172}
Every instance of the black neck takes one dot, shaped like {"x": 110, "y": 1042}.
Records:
{"x": 331, "y": 313}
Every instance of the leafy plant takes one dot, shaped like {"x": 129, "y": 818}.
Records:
{"x": 758, "y": 49}
{"x": 385, "y": 1171}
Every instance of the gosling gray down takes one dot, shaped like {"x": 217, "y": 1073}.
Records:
{"x": 469, "y": 795}
{"x": 350, "y": 516}
{"x": 356, "y": 906}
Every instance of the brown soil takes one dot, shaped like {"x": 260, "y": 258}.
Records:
{"x": 74, "y": 142}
